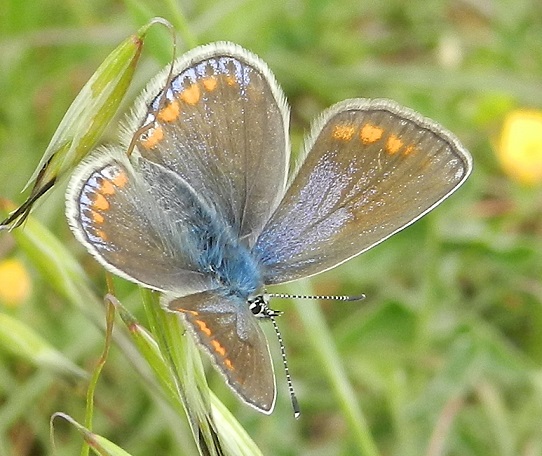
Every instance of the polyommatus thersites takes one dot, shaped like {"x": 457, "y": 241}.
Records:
{"x": 202, "y": 210}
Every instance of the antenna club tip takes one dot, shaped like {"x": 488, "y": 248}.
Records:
{"x": 360, "y": 297}
{"x": 295, "y": 406}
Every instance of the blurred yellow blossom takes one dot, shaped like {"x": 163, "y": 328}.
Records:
{"x": 520, "y": 148}
{"x": 14, "y": 282}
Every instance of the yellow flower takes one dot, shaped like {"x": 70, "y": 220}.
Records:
{"x": 14, "y": 282}
{"x": 520, "y": 148}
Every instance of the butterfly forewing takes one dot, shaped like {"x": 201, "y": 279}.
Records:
{"x": 223, "y": 127}
{"x": 229, "y": 333}
{"x": 372, "y": 168}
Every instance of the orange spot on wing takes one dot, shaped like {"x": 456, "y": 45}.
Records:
{"x": 154, "y": 136}
{"x": 120, "y": 180}
{"x": 203, "y": 327}
{"x": 97, "y": 217}
{"x": 393, "y": 144}
{"x": 185, "y": 311}
{"x": 371, "y": 133}
{"x": 228, "y": 364}
{"x": 218, "y": 348}
{"x": 100, "y": 203}
{"x": 409, "y": 149}
{"x": 230, "y": 80}
{"x": 209, "y": 83}
{"x": 101, "y": 234}
{"x": 170, "y": 112}
{"x": 107, "y": 188}
{"x": 343, "y": 132}
{"x": 191, "y": 95}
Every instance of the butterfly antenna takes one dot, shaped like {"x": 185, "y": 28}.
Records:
{"x": 293, "y": 398}
{"x": 334, "y": 298}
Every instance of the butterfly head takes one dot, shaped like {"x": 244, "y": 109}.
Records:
{"x": 259, "y": 306}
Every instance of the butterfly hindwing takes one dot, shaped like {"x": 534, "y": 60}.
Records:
{"x": 231, "y": 335}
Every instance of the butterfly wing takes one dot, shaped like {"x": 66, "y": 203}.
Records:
{"x": 372, "y": 168}
{"x": 139, "y": 222}
{"x": 222, "y": 126}
{"x": 230, "y": 334}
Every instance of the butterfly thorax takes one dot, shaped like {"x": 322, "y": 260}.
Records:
{"x": 229, "y": 263}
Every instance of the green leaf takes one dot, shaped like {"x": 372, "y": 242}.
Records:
{"x": 100, "y": 445}
{"x": 23, "y": 341}
{"x": 84, "y": 122}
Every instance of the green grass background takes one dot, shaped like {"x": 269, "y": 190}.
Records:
{"x": 445, "y": 354}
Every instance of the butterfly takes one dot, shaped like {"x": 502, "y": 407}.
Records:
{"x": 207, "y": 211}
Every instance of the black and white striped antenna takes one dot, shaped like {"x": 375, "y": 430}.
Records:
{"x": 329, "y": 298}
{"x": 271, "y": 314}
{"x": 293, "y": 397}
